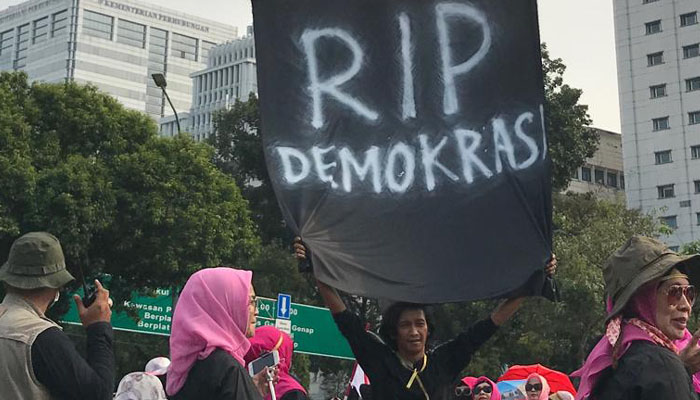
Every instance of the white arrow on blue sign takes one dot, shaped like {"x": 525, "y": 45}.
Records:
{"x": 284, "y": 302}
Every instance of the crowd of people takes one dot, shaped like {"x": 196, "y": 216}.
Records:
{"x": 646, "y": 351}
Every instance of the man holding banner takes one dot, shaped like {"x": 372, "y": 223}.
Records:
{"x": 402, "y": 367}
{"x": 405, "y": 142}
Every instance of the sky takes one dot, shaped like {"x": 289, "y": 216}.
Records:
{"x": 580, "y": 32}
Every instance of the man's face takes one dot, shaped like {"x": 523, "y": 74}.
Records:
{"x": 412, "y": 332}
{"x": 252, "y": 313}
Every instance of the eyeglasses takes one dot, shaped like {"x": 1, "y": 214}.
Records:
{"x": 485, "y": 389}
{"x": 676, "y": 292}
{"x": 463, "y": 391}
{"x": 253, "y": 302}
{"x": 537, "y": 387}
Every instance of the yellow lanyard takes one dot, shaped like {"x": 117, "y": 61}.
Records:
{"x": 416, "y": 377}
{"x": 279, "y": 343}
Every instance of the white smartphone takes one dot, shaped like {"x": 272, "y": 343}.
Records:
{"x": 270, "y": 359}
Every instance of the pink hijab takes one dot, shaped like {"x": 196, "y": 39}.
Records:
{"x": 211, "y": 313}
{"x": 544, "y": 395}
{"x": 643, "y": 306}
{"x": 495, "y": 394}
{"x": 266, "y": 339}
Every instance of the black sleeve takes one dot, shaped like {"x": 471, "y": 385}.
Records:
{"x": 456, "y": 354}
{"x": 294, "y": 395}
{"x": 664, "y": 379}
{"x": 236, "y": 384}
{"x": 364, "y": 345}
{"x": 59, "y": 367}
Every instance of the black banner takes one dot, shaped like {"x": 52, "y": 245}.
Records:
{"x": 405, "y": 142}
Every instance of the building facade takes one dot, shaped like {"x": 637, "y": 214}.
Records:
{"x": 114, "y": 45}
{"x": 230, "y": 75}
{"x": 602, "y": 174}
{"x": 658, "y": 62}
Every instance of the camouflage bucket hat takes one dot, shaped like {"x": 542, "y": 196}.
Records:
{"x": 639, "y": 261}
{"x": 36, "y": 261}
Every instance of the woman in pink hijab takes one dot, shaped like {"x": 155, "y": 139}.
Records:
{"x": 213, "y": 319}
{"x": 267, "y": 339}
{"x": 536, "y": 387}
{"x": 485, "y": 389}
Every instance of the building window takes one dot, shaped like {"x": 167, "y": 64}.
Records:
{"x": 691, "y": 51}
{"x": 674, "y": 248}
{"x": 655, "y": 59}
{"x": 697, "y": 218}
{"x": 663, "y": 157}
{"x": 131, "y": 33}
{"x": 6, "y": 41}
{"x": 695, "y": 152}
{"x": 98, "y": 25}
{"x": 612, "y": 179}
{"x": 22, "y": 46}
{"x": 692, "y": 84}
{"x": 660, "y": 124}
{"x": 653, "y": 27}
{"x": 670, "y": 221}
{"x": 206, "y": 48}
{"x": 184, "y": 47}
{"x": 685, "y": 203}
{"x": 599, "y": 177}
{"x": 689, "y": 19}
{"x": 649, "y": 1}
{"x": 657, "y": 91}
{"x": 622, "y": 181}
{"x": 586, "y": 173}
{"x": 574, "y": 175}
{"x": 666, "y": 191}
{"x": 40, "y": 31}
{"x": 59, "y": 22}
{"x": 697, "y": 186}
{"x": 694, "y": 117}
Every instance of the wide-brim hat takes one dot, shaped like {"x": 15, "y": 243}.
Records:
{"x": 639, "y": 261}
{"x": 36, "y": 261}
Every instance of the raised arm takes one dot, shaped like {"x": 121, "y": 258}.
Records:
{"x": 330, "y": 295}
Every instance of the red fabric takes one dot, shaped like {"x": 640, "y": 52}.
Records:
{"x": 557, "y": 380}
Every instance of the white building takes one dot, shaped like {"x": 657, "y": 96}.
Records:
{"x": 114, "y": 45}
{"x": 602, "y": 174}
{"x": 658, "y": 58}
{"x": 230, "y": 74}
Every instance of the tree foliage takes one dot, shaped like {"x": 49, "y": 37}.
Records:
{"x": 570, "y": 138}
{"x": 147, "y": 210}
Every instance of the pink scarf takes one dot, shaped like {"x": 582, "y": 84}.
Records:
{"x": 643, "y": 306}
{"x": 211, "y": 313}
{"x": 266, "y": 339}
{"x": 544, "y": 394}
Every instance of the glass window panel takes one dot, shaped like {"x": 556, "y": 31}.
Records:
{"x": 98, "y": 25}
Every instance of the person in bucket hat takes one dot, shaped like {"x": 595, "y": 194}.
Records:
{"x": 650, "y": 293}
{"x": 38, "y": 360}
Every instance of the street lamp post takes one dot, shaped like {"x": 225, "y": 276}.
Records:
{"x": 159, "y": 79}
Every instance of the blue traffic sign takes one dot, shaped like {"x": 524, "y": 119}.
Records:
{"x": 284, "y": 302}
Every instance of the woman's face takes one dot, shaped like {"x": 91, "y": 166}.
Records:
{"x": 483, "y": 391}
{"x": 533, "y": 388}
{"x": 673, "y": 306}
{"x": 252, "y": 313}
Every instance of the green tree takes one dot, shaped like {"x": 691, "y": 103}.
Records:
{"x": 569, "y": 136}
{"x": 123, "y": 201}
{"x": 239, "y": 153}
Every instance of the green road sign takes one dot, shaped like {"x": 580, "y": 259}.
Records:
{"x": 154, "y": 314}
{"x": 313, "y": 329}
